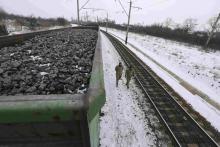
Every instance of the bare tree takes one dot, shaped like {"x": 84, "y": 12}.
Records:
{"x": 168, "y": 22}
{"x": 189, "y": 24}
{"x": 214, "y": 27}
{"x": 3, "y": 29}
{"x": 2, "y": 14}
{"x": 62, "y": 21}
{"x": 211, "y": 23}
{"x": 19, "y": 22}
{"x": 32, "y": 22}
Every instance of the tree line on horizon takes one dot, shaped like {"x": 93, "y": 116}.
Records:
{"x": 32, "y": 22}
{"x": 184, "y": 32}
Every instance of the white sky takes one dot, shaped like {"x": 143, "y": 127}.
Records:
{"x": 153, "y": 11}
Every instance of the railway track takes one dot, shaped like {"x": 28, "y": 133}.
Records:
{"x": 181, "y": 127}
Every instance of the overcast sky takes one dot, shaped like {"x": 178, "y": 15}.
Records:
{"x": 153, "y": 11}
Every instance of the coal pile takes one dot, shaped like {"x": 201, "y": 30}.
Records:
{"x": 54, "y": 63}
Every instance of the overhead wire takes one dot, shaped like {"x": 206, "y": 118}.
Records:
{"x": 84, "y": 4}
{"x": 122, "y": 7}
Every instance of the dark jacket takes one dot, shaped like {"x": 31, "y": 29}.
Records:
{"x": 129, "y": 73}
{"x": 119, "y": 70}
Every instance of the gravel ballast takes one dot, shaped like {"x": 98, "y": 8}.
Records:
{"x": 54, "y": 63}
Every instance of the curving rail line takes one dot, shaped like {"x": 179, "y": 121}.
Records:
{"x": 181, "y": 127}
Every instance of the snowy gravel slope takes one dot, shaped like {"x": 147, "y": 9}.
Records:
{"x": 124, "y": 123}
{"x": 153, "y": 49}
{"x": 190, "y": 63}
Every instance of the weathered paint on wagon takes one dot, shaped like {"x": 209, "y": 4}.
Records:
{"x": 96, "y": 95}
{"x": 53, "y": 120}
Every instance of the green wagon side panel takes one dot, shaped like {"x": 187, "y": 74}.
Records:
{"x": 19, "y": 110}
{"x": 96, "y": 96}
{"x": 94, "y": 129}
{"x": 96, "y": 93}
{"x": 97, "y": 103}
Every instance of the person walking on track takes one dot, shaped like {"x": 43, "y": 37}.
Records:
{"x": 129, "y": 74}
{"x": 119, "y": 70}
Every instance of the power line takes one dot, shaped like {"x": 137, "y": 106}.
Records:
{"x": 129, "y": 16}
{"x": 98, "y": 9}
{"x": 139, "y": 8}
{"x": 79, "y": 9}
{"x": 84, "y": 4}
{"x": 95, "y": 9}
{"x": 78, "y": 18}
{"x": 122, "y": 7}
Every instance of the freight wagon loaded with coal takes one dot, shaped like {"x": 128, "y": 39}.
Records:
{"x": 51, "y": 88}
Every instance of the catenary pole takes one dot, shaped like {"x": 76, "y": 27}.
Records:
{"x": 96, "y": 9}
{"x": 87, "y": 17}
{"x": 129, "y": 16}
{"x": 212, "y": 32}
{"x": 78, "y": 12}
{"x": 97, "y": 19}
{"x": 107, "y": 22}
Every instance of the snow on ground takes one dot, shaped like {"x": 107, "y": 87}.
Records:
{"x": 55, "y": 27}
{"x": 201, "y": 69}
{"x": 189, "y": 62}
{"x": 74, "y": 25}
{"x": 27, "y": 30}
{"x": 24, "y": 30}
{"x": 124, "y": 123}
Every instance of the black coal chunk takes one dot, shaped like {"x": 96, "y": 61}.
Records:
{"x": 54, "y": 63}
